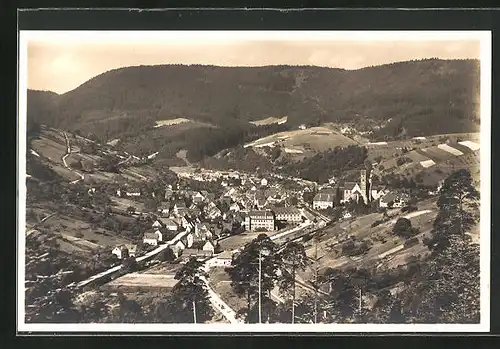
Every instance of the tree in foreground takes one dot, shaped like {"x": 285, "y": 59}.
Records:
{"x": 190, "y": 295}
{"x": 56, "y": 307}
{"x": 244, "y": 271}
{"x": 293, "y": 259}
{"x": 458, "y": 205}
{"x": 447, "y": 289}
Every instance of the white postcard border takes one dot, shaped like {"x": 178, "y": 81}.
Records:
{"x": 130, "y": 36}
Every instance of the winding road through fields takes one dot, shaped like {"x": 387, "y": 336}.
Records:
{"x": 68, "y": 153}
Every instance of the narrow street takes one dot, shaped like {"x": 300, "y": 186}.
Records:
{"x": 217, "y": 302}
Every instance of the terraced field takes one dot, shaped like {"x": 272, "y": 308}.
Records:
{"x": 436, "y": 154}
{"x": 432, "y": 158}
{"x": 385, "y": 245}
{"x": 50, "y": 149}
{"x": 270, "y": 121}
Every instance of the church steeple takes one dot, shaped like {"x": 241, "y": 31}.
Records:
{"x": 363, "y": 186}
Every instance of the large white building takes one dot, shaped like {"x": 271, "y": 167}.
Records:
{"x": 288, "y": 214}
{"x": 263, "y": 219}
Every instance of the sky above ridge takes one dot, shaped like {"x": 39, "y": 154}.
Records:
{"x": 62, "y": 65}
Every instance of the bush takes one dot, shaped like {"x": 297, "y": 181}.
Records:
{"x": 354, "y": 248}
{"x": 402, "y": 226}
{"x": 129, "y": 265}
{"x": 306, "y": 238}
{"x": 411, "y": 242}
{"x": 167, "y": 255}
{"x": 403, "y": 160}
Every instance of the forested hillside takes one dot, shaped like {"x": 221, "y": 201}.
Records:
{"x": 441, "y": 92}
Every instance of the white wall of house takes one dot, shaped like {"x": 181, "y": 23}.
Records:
{"x": 208, "y": 247}
{"x": 255, "y": 224}
{"x": 159, "y": 235}
{"x": 117, "y": 252}
{"x": 220, "y": 262}
{"x": 180, "y": 245}
{"x": 322, "y": 205}
{"x": 190, "y": 240}
{"x": 289, "y": 217}
{"x": 133, "y": 194}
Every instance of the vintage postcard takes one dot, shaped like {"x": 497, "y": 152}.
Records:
{"x": 254, "y": 181}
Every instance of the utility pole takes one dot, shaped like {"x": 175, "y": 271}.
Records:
{"x": 194, "y": 311}
{"x": 360, "y": 300}
{"x": 316, "y": 281}
{"x": 293, "y": 295}
{"x": 260, "y": 286}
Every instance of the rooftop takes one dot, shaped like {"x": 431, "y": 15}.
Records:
{"x": 324, "y": 197}
{"x": 193, "y": 252}
{"x": 150, "y": 236}
{"x": 286, "y": 210}
{"x": 261, "y": 214}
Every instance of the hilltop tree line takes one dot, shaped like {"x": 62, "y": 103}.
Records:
{"x": 419, "y": 98}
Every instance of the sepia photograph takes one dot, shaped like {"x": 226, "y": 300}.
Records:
{"x": 254, "y": 181}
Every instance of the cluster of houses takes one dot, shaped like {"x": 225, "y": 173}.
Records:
{"x": 207, "y": 218}
{"x": 251, "y": 204}
{"x": 363, "y": 190}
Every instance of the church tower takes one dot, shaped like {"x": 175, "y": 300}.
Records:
{"x": 363, "y": 186}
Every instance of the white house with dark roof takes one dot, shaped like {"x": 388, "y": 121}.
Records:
{"x": 180, "y": 245}
{"x": 214, "y": 212}
{"x": 209, "y": 246}
{"x": 235, "y": 207}
{"x": 157, "y": 224}
{"x": 198, "y": 197}
{"x": 260, "y": 219}
{"x": 169, "y": 224}
{"x": 152, "y": 238}
{"x": 323, "y": 201}
{"x": 123, "y": 250}
{"x": 179, "y": 207}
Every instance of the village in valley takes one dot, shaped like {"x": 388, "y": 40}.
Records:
{"x": 211, "y": 218}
